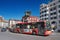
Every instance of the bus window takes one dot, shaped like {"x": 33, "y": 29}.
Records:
{"x": 31, "y": 26}
{"x": 35, "y": 25}
{"x": 18, "y": 25}
{"x": 21, "y": 26}
{"x": 41, "y": 25}
{"x": 25, "y": 26}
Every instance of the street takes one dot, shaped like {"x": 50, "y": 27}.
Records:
{"x": 16, "y": 36}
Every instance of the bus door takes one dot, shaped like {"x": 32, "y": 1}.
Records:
{"x": 19, "y": 27}
{"x": 40, "y": 28}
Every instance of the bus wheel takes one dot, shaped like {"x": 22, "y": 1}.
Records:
{"x": 33, "y": 33}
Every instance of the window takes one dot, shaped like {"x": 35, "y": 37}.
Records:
{"x": 45, "y": 11}
{"x": 45, "y": 14}
{"x": 59, "y": 21}
{"x": 42, "y": 18}
{"x": 19, "y": 25}
{"x": 51, "y": 9}
{"x": 46, "y": 18}
{"x": 42, "y": 12}
{"x": 51, "y": 5}
{"x": 54, "y": 8}
{"x": 42, "y": 15}
{"x": 59, "y": 1}
{"x": 25, "y": 26}
{"x": 51, "y": 14}
{"x": 55, "y": 17}
{"x": 45, "y": 7}
{"x": 59, "y": 11}
{"x": 59, "y": 6}
{"x": 51, "y": 17}
{"x": 54, "y": 12}
{"x": 59, "y": 16}
{"x": 53, "y": 22}
{"x": 42, "y": 8}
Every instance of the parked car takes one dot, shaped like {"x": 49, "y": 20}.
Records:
{"x": 3, "y": 29}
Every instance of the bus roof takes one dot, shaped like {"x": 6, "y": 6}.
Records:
{"x": 30, "y": 22}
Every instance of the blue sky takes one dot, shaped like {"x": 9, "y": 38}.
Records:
{"x": 16, "y": 8}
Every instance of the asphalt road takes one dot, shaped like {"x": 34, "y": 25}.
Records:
{"x": 14, "y": 36}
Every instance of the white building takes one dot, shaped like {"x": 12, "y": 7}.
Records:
{"x": 3, "y": 23}
{"x": 44, "y": 12}
{"x": 54, "y": 12}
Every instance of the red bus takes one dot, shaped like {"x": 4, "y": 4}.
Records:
{"x": 36, "y": 28}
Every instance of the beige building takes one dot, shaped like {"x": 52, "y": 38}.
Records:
{"x": 13, "y": 22}
{"x": 3, "y": 23}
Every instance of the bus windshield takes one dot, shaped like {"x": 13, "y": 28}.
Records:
{"x": 19, "y": 26}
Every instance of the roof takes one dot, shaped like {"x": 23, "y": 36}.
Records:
{"x": 4, "y": 21}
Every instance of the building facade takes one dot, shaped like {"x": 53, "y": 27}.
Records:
{"x": 54, "y": 10}
{"x": 32, "y": 19}
{"x": 3, "y": 23}
{"x": 44, "y": 12}
{"x": 54, "y": 13}
{"x": 28, "y": 18}
{"x": 13, "y": 22}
